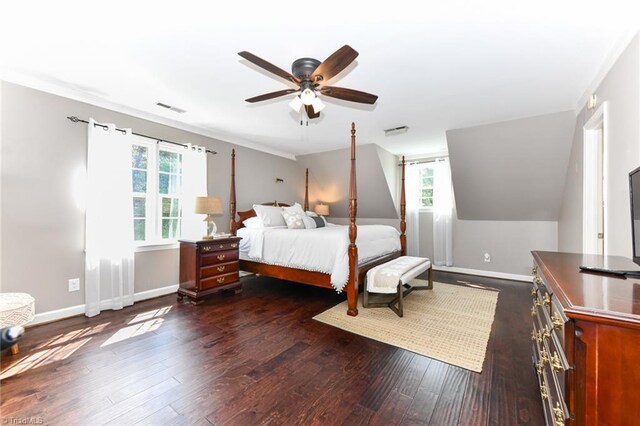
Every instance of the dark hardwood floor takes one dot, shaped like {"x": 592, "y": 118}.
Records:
{"x": 259, "y": 358}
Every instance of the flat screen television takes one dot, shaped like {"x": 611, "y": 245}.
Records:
{"x": 634, "y": 193}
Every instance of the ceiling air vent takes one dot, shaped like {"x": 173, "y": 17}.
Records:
{"x": 395, "y": 130}
{"x": 172, "y": 108}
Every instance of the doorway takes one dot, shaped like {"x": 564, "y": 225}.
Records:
{"x": 594, "y": 183}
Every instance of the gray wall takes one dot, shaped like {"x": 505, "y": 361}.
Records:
{"x": 43, "y": 228}
{"x": 329, "y": 181}
{"x": 621, "y": 89}
{"x": 511, "y": 170}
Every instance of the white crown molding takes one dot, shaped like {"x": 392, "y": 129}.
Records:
{"x": 616, "y": 50}
{"x": 73, "y": 311}
{"x": 22, "y": 79}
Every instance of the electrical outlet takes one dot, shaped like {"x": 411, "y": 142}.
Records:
{"x": 487, "y": 257}
{"x": 74, "y": 284}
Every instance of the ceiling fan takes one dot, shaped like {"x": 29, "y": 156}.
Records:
{"x": 309, "y": 74}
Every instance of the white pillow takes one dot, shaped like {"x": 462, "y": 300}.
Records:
{"x": 270, "y": 215}
{"x": 295, "y": 208}
{"x": 253, "y": 222}
{"x": 312, "y": 214}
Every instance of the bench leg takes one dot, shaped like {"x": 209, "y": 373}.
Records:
{"x": 430, "y": 286}
{"x": 14, "y": 349}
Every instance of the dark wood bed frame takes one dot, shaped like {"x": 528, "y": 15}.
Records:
{"x": 319, "y": 279}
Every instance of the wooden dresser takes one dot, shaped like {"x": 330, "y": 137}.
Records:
{"x": 208, "y": 266}
{"x": 586, "y": 340}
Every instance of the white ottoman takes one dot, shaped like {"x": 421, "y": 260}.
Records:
{"x": 16, "y": 309}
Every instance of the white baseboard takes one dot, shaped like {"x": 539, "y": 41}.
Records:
{"x": 72, "y": 311}
{"x": 482, "y": 273}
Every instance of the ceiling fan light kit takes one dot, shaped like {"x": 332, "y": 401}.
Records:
{"x": 308, "y": 74}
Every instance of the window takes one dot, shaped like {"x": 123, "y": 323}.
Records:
{"x": 157, "y": 191}
{"x": 425, "y": 185}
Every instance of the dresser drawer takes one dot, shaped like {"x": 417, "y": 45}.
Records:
{"x": 218, "y": 246}
{"x": 219, "y": 280}
{"x": 218, "y": 269}
{"x": 218, "y": 257}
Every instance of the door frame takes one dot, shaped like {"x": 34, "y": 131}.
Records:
{"x": 589, "y": 179}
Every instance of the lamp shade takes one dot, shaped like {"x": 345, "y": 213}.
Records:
{"x": 322, "y": 209}
{"x": 208, "y": 205}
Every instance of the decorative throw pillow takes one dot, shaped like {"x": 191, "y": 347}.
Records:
{"x": 270, "y": 215}
{"x": 320, "y": 222}
{"x": 309, "y": 223}
{"x": 293, "y": 220}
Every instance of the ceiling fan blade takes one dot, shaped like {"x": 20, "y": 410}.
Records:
{"x": 335, "y": 63}
{"x": 348, "y": 94}
{"x": 268, "y": 66}
{"x": 271, "y": 95}
{"x": 310, "y": 112}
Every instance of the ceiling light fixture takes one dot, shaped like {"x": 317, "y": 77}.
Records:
{"x": 307, "y": 96}
{"x": 296, "y": 104}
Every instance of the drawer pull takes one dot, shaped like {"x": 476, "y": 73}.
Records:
{"x": 207, "y": 248}
{"x": 221, "y": 246}
{"x": 533, "y": 311}
{"x": 537, "y": 280}
{"x": 546, "y": 300}
{"x": 539, "y": 367}
{"x": 544, "y": 356}
{"x": 556, "y": 320}
{"x": 221, "y": 268}
{"x": 221, "y": 256}
{"x": 558, "y": 412}
{"x": 536, "y": 336}
{"x": 533, "y": 292}
{"x": 220, "y": 280}
{"x": 544, "y": 393}
{"x": 234, "y": 245}
{"x": 556, "y": 364}
{"x": 534, "y": 270}
{"x": 546, "y": 332}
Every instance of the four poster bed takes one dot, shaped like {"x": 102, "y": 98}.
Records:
{"x": 370, "y": 241}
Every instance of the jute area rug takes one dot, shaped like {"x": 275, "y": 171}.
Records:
{"x": 450, "y": 323}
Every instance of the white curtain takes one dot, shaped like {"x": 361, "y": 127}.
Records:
{"x": 109, "y": 264}
{"x": 442, "y": 214}
{"x": 194, "y": 184}
{"x": 412, "y": 188}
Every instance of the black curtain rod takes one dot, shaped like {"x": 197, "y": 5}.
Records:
{"x": 78, "y": 120}
{"x": 408, "y": 163}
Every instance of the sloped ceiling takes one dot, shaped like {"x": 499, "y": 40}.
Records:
{"x": 329, "y": 181}
{"x": 511, "y": 170}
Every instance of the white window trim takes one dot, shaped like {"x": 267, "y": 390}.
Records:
{"x": 153, "y": 225}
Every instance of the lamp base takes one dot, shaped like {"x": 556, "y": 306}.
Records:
{"x": 211, "y": 228}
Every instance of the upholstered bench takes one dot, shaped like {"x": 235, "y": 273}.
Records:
{"x": 394, "y": 277}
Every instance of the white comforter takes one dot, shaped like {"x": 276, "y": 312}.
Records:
{"x": 322, "y": 249}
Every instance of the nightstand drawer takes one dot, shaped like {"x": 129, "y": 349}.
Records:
{"x": 221, "y": 269}
{"x": 218, "y": 246}
{"x": 219, "y": 280}
{"x": 218, "y": 257}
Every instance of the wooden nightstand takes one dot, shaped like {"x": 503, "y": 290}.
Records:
{"x": 207, "y": 267}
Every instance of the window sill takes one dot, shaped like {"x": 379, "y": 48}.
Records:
{"x": 156, "y": 246}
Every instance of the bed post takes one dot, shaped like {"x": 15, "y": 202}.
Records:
{"x": 352, "y": 284}
{"x": 306, "y": 191}
{"x": 403, "y": 213}
{"x": 232, "y": 195}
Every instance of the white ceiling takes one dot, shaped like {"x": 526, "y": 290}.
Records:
{"x": 434, "y": 65}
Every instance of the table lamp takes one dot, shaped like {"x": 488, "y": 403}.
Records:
{"x": 210, "y": 206}
{"x": 322, "y": 209}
